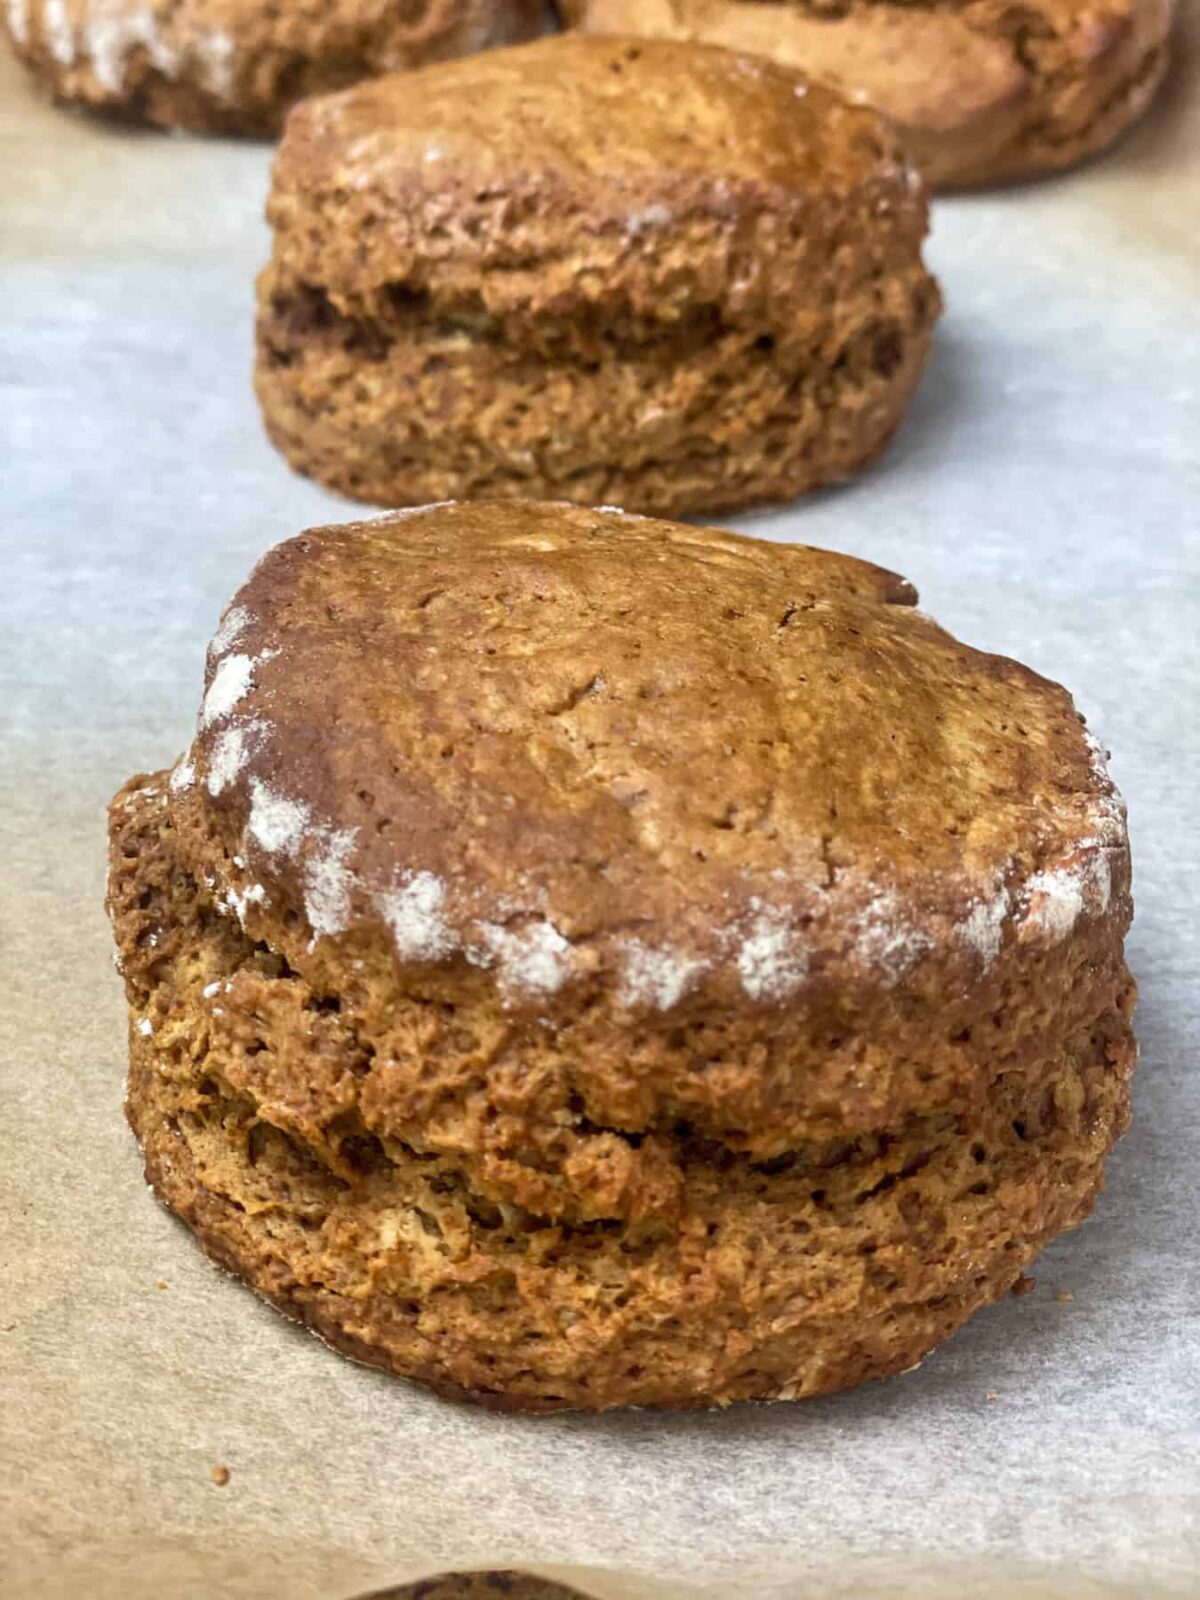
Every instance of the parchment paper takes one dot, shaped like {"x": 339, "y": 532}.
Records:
{"x": 1043, "y": 495}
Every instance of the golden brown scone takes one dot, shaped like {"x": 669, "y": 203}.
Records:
{"x": 648, "y": 274}
{"x": 237, "y": 66}
{"x": 586, "y": 961}
{"x": 982, "y": 91}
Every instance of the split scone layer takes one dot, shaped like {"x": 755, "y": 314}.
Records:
{"x": 649, "y": 274}
{"x": 584, "y": 961}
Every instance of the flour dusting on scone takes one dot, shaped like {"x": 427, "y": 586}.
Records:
{"x": 584, "y": 960}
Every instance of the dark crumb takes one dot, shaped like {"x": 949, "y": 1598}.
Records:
{"x": 1024, "y": 1284}
{"x": 1063, "y": 1296}
{"x": 220, "y": 1476}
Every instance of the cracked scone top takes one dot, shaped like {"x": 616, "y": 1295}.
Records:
{"x": 598, "y": 885}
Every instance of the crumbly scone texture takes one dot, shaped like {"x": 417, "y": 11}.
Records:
{"x": 585, "y": 961}
{"x": 238, "y": 66}
{"x": 982, "y": 91}
{"x": 647, "y": 274}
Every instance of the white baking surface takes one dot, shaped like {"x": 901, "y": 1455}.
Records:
{"x": 1044, "y": 496}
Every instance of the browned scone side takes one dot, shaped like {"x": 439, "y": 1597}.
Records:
{"x": 752, "y": 1280}
{"x": 652, "y": 275}
{"x": 237, "y": 66}
{"x": 584, "y": 960}
{"x": 981, "y": 92}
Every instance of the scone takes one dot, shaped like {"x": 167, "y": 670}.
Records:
{"x": 654, "y": 275}
{"x": 981, "y": 91}
{"x": 236, "y": 66}
{"x": 586, "y": 961}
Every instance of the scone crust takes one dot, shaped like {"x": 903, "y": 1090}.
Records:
{"x": 981, "y": 92}
{"x": 571, "y": 271}
{"x": 237, "y": 66}
{"x": 518, "y": 1048}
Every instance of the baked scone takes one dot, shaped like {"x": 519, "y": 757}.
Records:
{"x": 586, "y": 961}
{"x": 648, "y": 274}
{"x": 237, "y": 66}
{"x": 982, "y": 91}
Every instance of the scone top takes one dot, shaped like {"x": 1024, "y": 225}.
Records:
{"x": 648, "y": 170}
{"x": 583, "y": 752}
{"x": 596, "y": 110}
